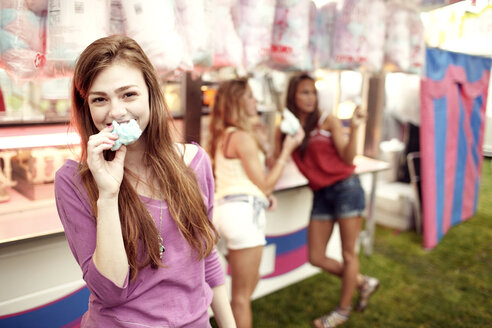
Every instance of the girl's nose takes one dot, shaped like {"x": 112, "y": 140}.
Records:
{"x": 118, "y": 109}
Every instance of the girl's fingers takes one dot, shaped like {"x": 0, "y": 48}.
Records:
{"x": 96, "y": 146}
{"x": 99, "y": 139}
{"x": 120, "y": 154}
{"x": 104, "y": 134}
{"x": 101, "y": 147}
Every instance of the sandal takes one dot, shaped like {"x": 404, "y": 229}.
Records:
{"x": 369, "y": 286}
{"x": 334, "y": 319}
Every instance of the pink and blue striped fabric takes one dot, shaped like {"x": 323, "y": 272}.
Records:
{"x": 453, "y": 101}
{"x": 290, "y": 252}
{"x": 65, "y": 312}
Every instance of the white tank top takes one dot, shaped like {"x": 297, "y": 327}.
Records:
{"x": 230, "y": 177}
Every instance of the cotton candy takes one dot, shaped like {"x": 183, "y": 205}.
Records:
{"x": 323, "y": 33}
{"x": 358, "y": 39}
{"x": 127, "y": 133}
{"x": 153, "y": 25}
{"x": 21, "y": 40}
{"x": 290, "y": 124}
{"x": 254, "y": 22}
{"x": 227, "y": 46}
{"x": 291, "y": 35}
{"x": 71, "y": 26}
{"x": 196, "y": 31}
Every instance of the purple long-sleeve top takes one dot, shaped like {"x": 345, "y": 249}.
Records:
{"x": 177, "y": 295}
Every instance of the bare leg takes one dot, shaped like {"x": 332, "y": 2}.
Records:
{"x": 319, "y": 233}
{"x": 349, "y": 231}
{"x": 244, "y": 265}
{"x": 348, "y": 270}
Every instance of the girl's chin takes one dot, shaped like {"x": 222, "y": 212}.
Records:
{"x": 308, "y": 110}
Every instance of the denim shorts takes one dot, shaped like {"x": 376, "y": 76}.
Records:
{"x": 343, "y": 199}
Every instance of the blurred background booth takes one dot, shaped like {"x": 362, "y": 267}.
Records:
{"x": 371, "y": 53}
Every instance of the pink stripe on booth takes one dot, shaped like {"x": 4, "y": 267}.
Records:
{"x": 428, "y": 181}
{"x": 451, "y": 154}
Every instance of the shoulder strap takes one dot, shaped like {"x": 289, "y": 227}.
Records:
{"x": 226, "y": 142}
{"x": 323, "y": 116}
{"x": 187, "y": 151}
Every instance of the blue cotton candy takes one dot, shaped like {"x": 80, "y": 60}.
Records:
{"x": 127, "y": 133}
{"x": 11, "y": 41}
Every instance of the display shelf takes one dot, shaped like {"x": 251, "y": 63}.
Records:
{"x": 21, "y": 218}
{"x": 17, "y": 137}
{"x": 18, "y": 203}
{"x": 9, "y": 121}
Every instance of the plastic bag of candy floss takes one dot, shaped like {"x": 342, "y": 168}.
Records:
{"x": 127, "y": 133}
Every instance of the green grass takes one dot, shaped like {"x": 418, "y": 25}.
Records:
{"x": 448, "y": 286}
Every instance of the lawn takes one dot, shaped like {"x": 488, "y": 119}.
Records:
{"x": 448, "y": 286}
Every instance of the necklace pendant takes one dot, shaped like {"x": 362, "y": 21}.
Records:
{"x": 162, "y": 249}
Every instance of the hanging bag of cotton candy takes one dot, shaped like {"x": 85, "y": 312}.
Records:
{"x": 22, "y": 38}
{"x": 196, "y": 31}
{"x": 153, "y": 24}
{"x": 227, "y": 46}
{"x": 254, "y": 22}
{"x": 293, "y": 25}
{"x": 71, "y": 26}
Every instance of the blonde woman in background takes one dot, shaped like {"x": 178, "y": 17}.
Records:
{"x": 244, "y": 188}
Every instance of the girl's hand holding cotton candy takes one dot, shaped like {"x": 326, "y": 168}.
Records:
{"x": 107, "y": 174}
{"x": 127, "y": 133}
{"x": 290, "y": 124}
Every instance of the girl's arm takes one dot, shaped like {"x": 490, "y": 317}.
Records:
{"x": 80, "y": 225}
{"x": 222, "y": 308}
{"x": 243, "y": 146}
{"x": 346, "y": 148}
{"x": 109, "y": 257}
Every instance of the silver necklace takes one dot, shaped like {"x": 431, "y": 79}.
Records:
{"x": 162, "y": 249}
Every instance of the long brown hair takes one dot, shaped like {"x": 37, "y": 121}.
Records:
{"x": 177, "y": 182}
{"x": 312, "y": 120}
{"x": 228, "y": 110}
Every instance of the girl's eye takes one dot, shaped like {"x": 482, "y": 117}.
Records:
{"x": 97, "y": 100}
{"x": 130, "y": 94}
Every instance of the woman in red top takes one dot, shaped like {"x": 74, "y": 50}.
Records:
{"x": 326, "y": 157}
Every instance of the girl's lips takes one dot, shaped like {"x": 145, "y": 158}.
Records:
{"x": 122, "y": 122}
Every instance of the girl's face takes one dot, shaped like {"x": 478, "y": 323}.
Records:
{"x": 249, "y": 102}
{"x": 119, "y": 93}
{"x": 306, "y": 96}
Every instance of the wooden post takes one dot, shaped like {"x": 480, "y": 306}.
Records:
{"x": 192, "y": 108}
{"x": 364, "y": 93}
{"x": 375, "y": 108}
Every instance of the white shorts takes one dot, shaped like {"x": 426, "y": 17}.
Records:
{"x": 239, "y": 224}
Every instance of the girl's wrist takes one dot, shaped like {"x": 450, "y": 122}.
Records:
{"x": 355, "y": 126}
{"x": 283, "y": 158}
{"x": 107, "y": 198}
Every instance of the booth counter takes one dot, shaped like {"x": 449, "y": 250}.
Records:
{"x": 40, "y": 277}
